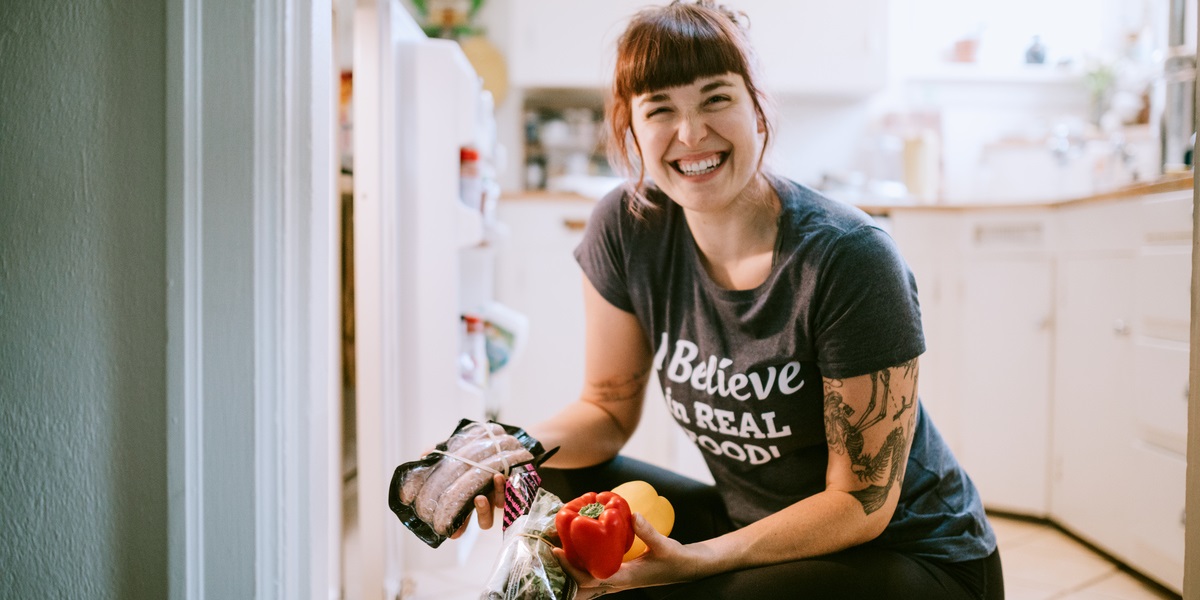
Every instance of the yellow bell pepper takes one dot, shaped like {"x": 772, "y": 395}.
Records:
{"x": 643, "y": 498}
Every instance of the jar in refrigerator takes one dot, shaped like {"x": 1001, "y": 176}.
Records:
{"x": 474, "y": 360}
{"x": 470, "y": 178}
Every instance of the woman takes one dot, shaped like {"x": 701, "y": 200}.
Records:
{"x": 785, "y": 332}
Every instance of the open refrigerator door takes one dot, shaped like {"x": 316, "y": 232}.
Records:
{"x": 432, "y": 345}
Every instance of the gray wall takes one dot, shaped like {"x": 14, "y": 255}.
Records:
{"x": 83, "y": 494}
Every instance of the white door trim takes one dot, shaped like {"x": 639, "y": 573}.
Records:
{"x": 253, "y": 318}
{"x": 1191, "y": 551}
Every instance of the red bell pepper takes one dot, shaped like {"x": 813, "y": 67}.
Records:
{"x": 596, "y": 531}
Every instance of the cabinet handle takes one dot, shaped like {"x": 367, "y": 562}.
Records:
{"x": 575, "y": 224}
{"x": 1120, "y": 327}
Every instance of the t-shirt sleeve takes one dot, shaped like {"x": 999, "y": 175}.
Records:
{"x": 601, "y": 253}
{"x": 867, "y": 317}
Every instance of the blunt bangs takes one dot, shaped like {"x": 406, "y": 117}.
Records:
{"x": 678, "y": 46}
{"x": 672, "y": 46}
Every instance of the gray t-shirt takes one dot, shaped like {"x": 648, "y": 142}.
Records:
{"x": 741, "y": 370}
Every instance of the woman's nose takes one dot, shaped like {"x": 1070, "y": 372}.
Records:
{"x": 692, "y": 129}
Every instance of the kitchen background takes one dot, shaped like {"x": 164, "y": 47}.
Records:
{"x": 1033, "y": 160}
{"x": 167, "y": 257}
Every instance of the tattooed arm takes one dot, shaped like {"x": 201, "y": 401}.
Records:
{"x": 869, "y": 423}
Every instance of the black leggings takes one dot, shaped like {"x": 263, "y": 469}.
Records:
{"x": 859, "y": 573}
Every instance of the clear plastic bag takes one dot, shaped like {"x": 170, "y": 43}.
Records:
{"x": 526, "y": 568}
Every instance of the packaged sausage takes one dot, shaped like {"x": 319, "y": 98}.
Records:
{"x": 433, "y": 495}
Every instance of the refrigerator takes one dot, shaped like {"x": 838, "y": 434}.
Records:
{"x": 424, "y": 243}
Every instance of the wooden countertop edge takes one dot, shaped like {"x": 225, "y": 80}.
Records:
{"x": 545, "y": 196}
{"x": 1170, "y": 183}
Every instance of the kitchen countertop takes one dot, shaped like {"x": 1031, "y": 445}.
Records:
{"x": 1168, "y": 183}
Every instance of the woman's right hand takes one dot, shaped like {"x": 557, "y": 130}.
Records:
{"x": 486, "y": 507}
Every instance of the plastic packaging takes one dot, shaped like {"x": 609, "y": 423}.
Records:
{"x": 432, "y": 496}
{"x": 505, "y": 331}
{"x": 526, "y": 568}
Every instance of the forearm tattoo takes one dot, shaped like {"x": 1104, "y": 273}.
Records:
{"x": 844, "y": 431}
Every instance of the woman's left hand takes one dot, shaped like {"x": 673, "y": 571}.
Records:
{"x": 665, "y": 561}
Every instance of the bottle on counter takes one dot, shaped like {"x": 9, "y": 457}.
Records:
{"x": 1035, "y": 54}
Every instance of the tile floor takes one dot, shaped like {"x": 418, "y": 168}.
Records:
{"x": 1040, "y": 563}
{"x": 1043, "y": 563}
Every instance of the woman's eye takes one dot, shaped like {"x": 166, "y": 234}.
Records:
{"x": 657, "y": 111}
{"x": 718, "y": 99}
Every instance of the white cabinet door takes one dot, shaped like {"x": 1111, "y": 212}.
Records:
{"x": 929, "y": 243}
{"x": 820, "y": 47}
{"x": 537, "y": 275}
{"x": 1005, "y": 380}
{"x": 807, "y": 46}
{"x": 565, "y": 44}
{"x": 1093, "y": 399}
{"x": 1157, "y": 547}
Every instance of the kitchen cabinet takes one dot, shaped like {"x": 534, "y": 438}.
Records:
{"x": 1092, "y": 448}
{"x": 806, "y": 46}
{"x": 986, "y": 286}
{"x": 1060, "y": 334}
{"x": 537, "y": 275}
{"x": 556, "y": 44}
{"x": 1005, "y": 375}
{"x": 1161, "y": 327}
{"x": 923, "y": 237}
{"x": 1093, "y": 393}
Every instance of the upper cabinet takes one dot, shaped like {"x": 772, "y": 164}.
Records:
{"x": 808, "y": 47}
{"x": 557, "y": 44}
{"x": 817, "y": 47}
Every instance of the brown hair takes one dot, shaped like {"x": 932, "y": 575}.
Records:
{"x": 670, "y": 46}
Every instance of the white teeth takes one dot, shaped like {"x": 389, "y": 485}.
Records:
{"x": 700, "y": 167}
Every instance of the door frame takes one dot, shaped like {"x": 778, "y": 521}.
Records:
{"x": 1191, "y": 555}
{"x": 253, "y": 434}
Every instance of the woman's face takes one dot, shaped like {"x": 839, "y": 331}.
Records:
{"x": 700, "y": 142}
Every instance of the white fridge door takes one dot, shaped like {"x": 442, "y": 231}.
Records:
{"x": 417, "y": 103}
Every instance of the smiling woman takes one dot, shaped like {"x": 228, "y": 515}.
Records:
{"x": 686, "y": 76}
{"x": 722, "y": 278}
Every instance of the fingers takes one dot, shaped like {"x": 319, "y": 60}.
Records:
{"x": 485, "y": 507}
{"x": 583, "y": 578}
{"x": 498, "y": 481}
{"x": 486, "y": 514}
{"x": 461, "y": 530}
{"x": 643, "y": 529}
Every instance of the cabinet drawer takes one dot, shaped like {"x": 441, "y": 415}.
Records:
{"x": 1158, "y": 530}
{"x": 545, "y": 223}
{"x": 1161, "y": 370}
{"x": 1006, "y": 233}
{"x": 1098, "y": 227}
{"x": 1164, "y": 297}
{"x": 1166, "y": 219}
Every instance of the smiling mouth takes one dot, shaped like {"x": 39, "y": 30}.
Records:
{"x": 692, "y": 168}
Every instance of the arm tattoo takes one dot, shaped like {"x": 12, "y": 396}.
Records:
{"x": 845, "y": 434}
